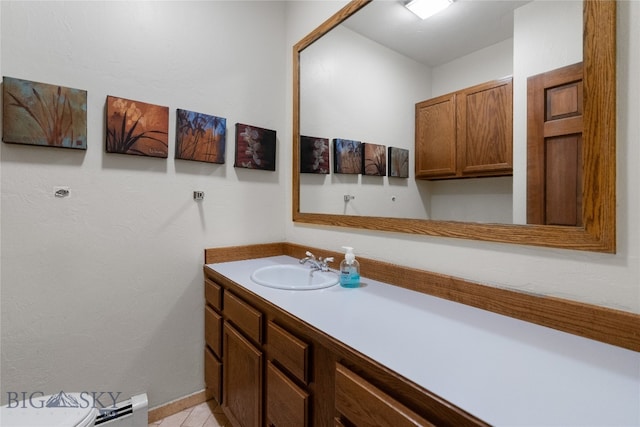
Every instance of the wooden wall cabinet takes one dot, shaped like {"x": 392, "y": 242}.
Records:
{"x": 466, "y": 134}
{"x": 279, "y": 372}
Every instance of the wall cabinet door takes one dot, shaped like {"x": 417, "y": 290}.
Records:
{"x": 436, "y": 137}
{"x": 485, "y": 129}
{"x": 242, "y": 379}
{"x": 466, "y": 134}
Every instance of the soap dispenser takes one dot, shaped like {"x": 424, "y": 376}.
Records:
{"x": 349, "y": 269}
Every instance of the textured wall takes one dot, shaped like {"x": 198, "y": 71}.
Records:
{"x": 103, "y": 290}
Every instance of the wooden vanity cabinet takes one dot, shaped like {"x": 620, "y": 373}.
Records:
{"x": 213, "y": 339}
{"x": 466, "y": 134}
{"x": 277, "y": 371}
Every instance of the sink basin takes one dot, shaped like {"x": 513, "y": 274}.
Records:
{"x": 293, "y": 277}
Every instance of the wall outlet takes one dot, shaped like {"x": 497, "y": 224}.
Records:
{"x": 198, "y": 195}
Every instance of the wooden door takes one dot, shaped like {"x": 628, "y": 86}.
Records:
{"x": 242, "y": 379}
{"x": 554, "y": 147}
{"x": 436, "y": 137}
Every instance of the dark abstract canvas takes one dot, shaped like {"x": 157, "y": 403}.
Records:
{"x": 255, "y": 147}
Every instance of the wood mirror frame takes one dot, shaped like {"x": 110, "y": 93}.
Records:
{"x": 598, "y": 233}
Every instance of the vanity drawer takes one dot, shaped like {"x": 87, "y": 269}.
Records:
{"x": 213, "y": 330}
{"x": 213, "y": 375}
{"x": 213, "y": 294}
{"x": 242, "y": 315}
{"x": 289, "y": 351}
{"x": 362, "y": 403}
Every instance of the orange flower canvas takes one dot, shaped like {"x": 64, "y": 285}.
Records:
{"x": 137, "y": 128}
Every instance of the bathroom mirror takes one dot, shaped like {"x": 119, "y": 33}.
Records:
{"x": 598, "y": 153}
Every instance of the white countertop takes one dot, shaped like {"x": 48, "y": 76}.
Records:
{"x": 505, "y": 371}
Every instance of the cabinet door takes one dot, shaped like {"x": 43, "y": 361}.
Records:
{"x": 287, "y": 404}
{"x": 364, "y": 405}
{"x": 212, "y": 375}
{"x": 436, "y": 137}
{"x": 242, "y": 379}
{"x": 485, "y": 129}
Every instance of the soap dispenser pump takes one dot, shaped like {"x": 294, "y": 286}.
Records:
{"x": 349, "y": 269}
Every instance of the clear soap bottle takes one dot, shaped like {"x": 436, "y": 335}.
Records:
{"x": 349, "y": 269}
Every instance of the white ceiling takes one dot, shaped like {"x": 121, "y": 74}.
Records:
{"x": 462, "y": 28}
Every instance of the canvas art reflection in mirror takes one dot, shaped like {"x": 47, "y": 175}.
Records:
{"x": 314, "y": 155}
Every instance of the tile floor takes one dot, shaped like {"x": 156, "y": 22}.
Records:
{"x": 207, "y": 414}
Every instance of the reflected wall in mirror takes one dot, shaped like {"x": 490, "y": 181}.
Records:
{"x": 598, "y": 151}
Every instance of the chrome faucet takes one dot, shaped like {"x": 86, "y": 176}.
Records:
{"x": 321, "y": 264}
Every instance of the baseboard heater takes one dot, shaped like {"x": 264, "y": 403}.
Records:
{"x": 132, "y": 412}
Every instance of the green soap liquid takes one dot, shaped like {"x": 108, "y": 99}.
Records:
{"x": 349, "y": 279}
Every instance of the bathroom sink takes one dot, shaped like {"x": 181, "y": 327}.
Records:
{"x": 293, "y": 277}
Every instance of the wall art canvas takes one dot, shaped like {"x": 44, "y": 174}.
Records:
{"x": 398, "y": 162}
{"x": 137, "y": 128}
{"x": 44, "y": 114}
{"x": 347, "y": 156}
{"x": 314, "y": 155}
{"x": 374, "y": 160}
{"x": 255, "y": 147}
{"x": 200, "y": 137}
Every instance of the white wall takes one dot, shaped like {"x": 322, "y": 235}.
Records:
{"x": 547, "y": 36}
{"x": 491, "y": 63}
{"x": 350, "y": 89}
{"x": 103, "y": 290}
{"x": 603, "y": 279}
